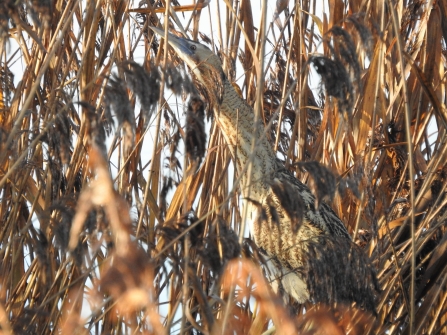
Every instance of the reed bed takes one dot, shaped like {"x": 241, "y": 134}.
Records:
{"x": 120, "y": 211}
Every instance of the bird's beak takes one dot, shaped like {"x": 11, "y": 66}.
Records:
{"x": 180, "y": 45}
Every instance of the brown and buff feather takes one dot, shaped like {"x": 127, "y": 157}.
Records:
{"x": 283, "y": 217}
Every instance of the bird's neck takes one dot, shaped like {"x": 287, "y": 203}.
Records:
{"x": 246, "y": 140}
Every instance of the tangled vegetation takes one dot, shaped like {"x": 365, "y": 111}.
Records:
{"x": 119, "y": 203}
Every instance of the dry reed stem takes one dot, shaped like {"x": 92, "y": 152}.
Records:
{"x": 86, "y": 220}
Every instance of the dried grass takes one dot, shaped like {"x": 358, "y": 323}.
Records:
{"x": 134, "y": 236}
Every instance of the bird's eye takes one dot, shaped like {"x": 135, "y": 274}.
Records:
{"x": 193, "y": 47}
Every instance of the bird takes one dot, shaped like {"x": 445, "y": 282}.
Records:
{"x": 284, "y": 218}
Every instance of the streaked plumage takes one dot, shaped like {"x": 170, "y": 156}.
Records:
{"x": 284, "y": 220}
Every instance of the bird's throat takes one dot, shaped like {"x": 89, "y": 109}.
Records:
{"x": 247, "y": 142}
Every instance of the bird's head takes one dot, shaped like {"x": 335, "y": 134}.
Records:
{"x": 204, "y": 64}
{"x": 199, "y": 58}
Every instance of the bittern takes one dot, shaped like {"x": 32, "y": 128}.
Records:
{"x": 274, "y": 194}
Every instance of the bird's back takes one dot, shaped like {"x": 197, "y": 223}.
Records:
{"x": 285, "y": 221}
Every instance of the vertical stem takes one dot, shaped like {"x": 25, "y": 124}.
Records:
{"x": 257, "y": 110}
{"x": 410, "y": 160}
{"x": 284, "y": 90}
